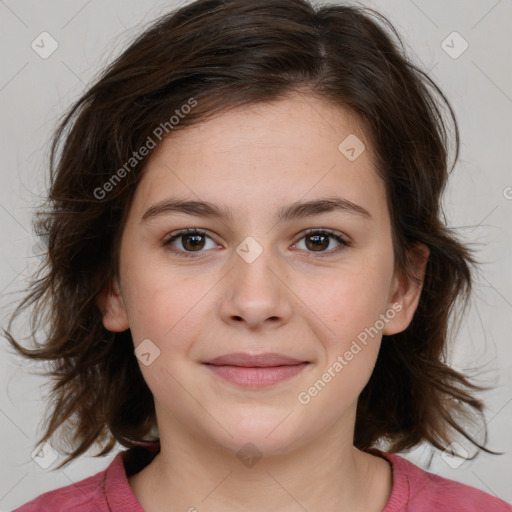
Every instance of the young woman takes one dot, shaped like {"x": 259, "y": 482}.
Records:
{"x": 248, "y": 282}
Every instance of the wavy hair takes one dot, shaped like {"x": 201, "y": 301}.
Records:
{"x": 224, "y": 54}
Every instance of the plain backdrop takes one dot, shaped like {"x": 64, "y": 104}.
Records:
{"x": 35, "y": 91}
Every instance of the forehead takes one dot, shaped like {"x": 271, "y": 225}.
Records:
{"x": 296, "y": 122}
{"x": 275, "y": 152}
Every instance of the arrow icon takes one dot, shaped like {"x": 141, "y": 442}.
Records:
{"x": 44, "y": 45}
{"x": 454, "y": 45}
{"x": 147, "y": 352}
{"x": 249, "y": 455}
{"x": 351, "y": 147}
{"x": 249, "y": 249}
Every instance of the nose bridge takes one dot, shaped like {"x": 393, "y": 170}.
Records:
{"x": 255, "y": 292}
{"x": 252, "y": 268}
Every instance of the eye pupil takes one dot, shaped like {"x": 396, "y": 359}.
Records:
{"x": 198, "y": 242}
{"x": 319, "y": 242}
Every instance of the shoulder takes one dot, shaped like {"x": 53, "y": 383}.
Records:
{"x": 84, "y": 495}
{"x": 423, "y": 491}
{"x": 103, "y": 492}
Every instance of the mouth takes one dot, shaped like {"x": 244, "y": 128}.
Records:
{"x": 258, "y": 370}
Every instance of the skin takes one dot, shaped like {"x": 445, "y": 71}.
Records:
{"x": 290, "y": 300}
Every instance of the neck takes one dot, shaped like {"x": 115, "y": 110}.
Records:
{"x": 327, "y": 474}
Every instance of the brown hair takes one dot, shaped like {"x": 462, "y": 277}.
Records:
{"x": 220, "y": 54}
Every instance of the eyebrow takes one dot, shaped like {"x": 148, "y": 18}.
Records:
{"x": 295, "y": 210}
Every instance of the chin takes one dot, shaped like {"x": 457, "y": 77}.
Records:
{"x": 270, "y": 435}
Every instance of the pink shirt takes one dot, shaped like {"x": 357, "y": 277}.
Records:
{"x": 414, "y": 490}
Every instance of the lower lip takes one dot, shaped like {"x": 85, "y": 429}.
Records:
{"x": 256, "y": 377}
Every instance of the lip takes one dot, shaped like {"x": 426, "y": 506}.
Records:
{"x": 255, "y": 370}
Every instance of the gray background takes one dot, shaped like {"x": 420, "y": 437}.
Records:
{"x": 34, "y": 92}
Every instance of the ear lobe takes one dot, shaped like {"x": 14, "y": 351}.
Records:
{"x": 407, "y": 288}
{"x": 112, "y": 307}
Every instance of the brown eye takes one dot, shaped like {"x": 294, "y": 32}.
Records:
{"x": 188, "y": 241}
{"x": 192, "y": 242}
{"x": 317, "y": 242}
{"x": 320, "y": 241}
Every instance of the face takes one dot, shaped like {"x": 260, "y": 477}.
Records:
{"x": 291, "y": 255}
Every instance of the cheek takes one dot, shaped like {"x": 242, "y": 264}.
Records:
{"x": 350, "y": 307}
{"x": 164, "y": 309}
{"x": 160, "y": 303}
{"x": 349, "y": 299}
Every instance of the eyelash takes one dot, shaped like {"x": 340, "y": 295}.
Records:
{"x": 315, "y": 231}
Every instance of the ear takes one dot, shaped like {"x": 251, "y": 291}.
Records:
{"x": 112, "y": 307}
{"x": 406, "y": 289}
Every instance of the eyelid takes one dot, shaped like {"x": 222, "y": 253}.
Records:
{"x": 181, "y": 232}
{"x": 329, "y": 231}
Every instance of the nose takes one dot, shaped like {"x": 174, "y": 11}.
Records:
{"x": 255, "y": 293}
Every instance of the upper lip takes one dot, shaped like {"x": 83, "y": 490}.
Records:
{"x": 254, "y": 360}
